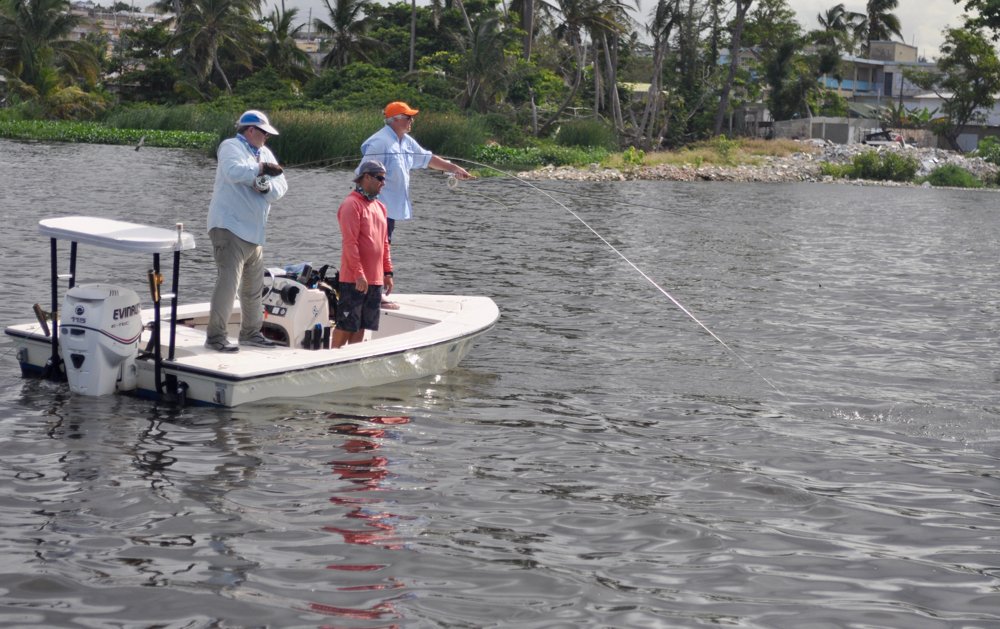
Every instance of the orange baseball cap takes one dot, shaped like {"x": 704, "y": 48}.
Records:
{"x": 399, "y": 107}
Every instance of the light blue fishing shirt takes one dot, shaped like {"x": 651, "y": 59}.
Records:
{"x": 399, "y": 155}
{"x": 235, "y": 204}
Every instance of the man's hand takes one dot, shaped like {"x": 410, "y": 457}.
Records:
{"x": 271, "y": 170}
{"x": 362, "y": 285}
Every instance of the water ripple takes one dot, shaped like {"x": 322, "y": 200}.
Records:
{"x": 598, "y": 460}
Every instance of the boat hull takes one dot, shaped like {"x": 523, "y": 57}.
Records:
{"x": 428, "y": 335}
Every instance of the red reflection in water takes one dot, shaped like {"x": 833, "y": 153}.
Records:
{"x": 364, "y": 474}
{"x": 376, "y": 612}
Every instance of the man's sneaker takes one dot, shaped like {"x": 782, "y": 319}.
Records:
{"x": 258, "y": 340}
{"x": 221, "y": 346}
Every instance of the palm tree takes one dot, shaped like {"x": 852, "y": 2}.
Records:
{"x": 834, "y": 19}
{"x": 34, "y": 44}
{"x": 841, "y": 25}
{"x": 530, "y": 12}
{"x": 209, "y": 27}
{"x": 665, "y": 16}
{"x": 577, "y": 16}
{"x": 880, "y": 23}
{"x": 580, "y": 18}
{"x": 485, "y": 65}
{"x": 742, "y": 7}
{"x": 280, "y": 49}
{"x": 606, "y": 34}
{"x": 413, "y": 36}
{"x": 347, "y": 31}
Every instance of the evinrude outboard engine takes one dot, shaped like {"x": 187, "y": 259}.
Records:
{"x": 99, "y": 338}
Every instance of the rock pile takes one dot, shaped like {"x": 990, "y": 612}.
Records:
{"x": 804, "y": 165}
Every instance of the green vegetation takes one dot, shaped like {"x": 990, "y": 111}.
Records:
{"x": 989, "y": 149}
{"x": 586, "y": 134}
{"x": 307, "y": 137}
{"x": 725, "y": 148}
{"x": 535, "y": 156}
{"x": 61, "y": 131}
{"x": 633, "y": 158}
{"x": 968, "y": 74}
{"x": 953, "y": 176}
{"x": 526, "y": 75}
{"x": 876, "y": 166}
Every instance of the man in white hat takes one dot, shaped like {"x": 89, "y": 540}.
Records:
{"x": 247, "y": 180}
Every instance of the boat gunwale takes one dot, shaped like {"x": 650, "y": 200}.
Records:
{"x": 217, "y": 375}
{"x": 179, "y": 367}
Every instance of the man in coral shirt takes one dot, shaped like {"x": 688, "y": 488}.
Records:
{"x": 365, "y": 264}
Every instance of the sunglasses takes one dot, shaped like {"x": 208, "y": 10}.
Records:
{"x": 379, "y": 177}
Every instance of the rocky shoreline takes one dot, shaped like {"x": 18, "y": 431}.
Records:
{"x": 801, "y": 166}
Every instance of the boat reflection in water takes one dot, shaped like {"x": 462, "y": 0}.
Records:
{"x": 364, "y": 468}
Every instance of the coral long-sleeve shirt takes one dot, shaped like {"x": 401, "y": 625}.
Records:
{"x": 364, "y": 240}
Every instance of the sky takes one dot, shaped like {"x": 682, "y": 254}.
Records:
{"x": 922, "y": 20}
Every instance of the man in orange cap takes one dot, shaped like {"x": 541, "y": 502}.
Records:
{"x": 393, "y": 146}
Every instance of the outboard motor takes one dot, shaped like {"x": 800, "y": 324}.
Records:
{"x": 99, "y": 338}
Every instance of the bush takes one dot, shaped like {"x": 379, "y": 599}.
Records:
{"x": 989, "y": 149}
{"x": 322, "y": 137}
{"x": 883, "y": 166}
{"x": 571, "y": 155}
{"x": 633, "y": 158}
{"x": 953, "y": 176}
{"x": 503, "y": 129}
{"x": 535, "y": 156}
{"x": 204, "y": 118}
{"x": 449, "y": 135}
{"x": 363, "y": 87}
{"x": 875, "y": 165}
{"x": 726, "y": 148}
{"x": 266, "y": 89}
{"x": 837, "y": 171}
{"x": 509, "y": 157}
{"x": 587, "y": 134}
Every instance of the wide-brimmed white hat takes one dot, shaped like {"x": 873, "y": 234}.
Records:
{"x": 254, "y": 118}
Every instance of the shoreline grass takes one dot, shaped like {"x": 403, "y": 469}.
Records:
{"x": 325, "y": 137}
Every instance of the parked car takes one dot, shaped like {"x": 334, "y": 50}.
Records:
{"x": 883, "y": 137}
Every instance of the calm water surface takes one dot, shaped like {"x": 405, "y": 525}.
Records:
{"x": 597, "y": 461}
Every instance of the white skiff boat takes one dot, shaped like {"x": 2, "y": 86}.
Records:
{"x": 103, "y": 341}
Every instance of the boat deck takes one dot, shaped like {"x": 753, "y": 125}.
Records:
{"x": 421, "y": 321}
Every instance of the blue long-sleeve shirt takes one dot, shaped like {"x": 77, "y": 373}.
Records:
{"x": 235, "y": 204}
{"x": 399, "y": 155}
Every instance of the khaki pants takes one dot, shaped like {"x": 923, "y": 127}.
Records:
{"x": 241, "y": 266}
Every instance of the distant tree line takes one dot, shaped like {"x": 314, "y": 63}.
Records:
{"x": 527, "y": 64}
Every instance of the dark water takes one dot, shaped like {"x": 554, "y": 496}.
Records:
{"x": 597, "y": 461}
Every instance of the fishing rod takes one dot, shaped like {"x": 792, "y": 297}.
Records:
{"x": 634, "y": 266}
